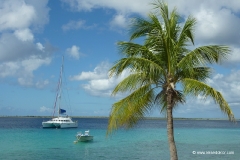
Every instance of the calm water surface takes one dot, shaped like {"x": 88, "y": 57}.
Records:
{"x": 23, "y": 139}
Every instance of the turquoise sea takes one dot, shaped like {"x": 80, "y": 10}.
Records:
{"x": 24, "y": 139}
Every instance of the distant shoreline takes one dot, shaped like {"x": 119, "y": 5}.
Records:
{"x": 105, "y": 117}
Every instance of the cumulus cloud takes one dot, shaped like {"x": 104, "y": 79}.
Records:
{"x": 16, "y": 15}
{"x": 74, "y": 52}
{"x": 23, "y": 61}
{"x": 23, "y": 70}
{"x": 102, "y": 87}
{"x": 120, "y": 21}
{"x": 20, "y": 54}
{"x": 19, "y": 59}
{"x": 217, "y": 27}
{"x": 99, "y": 72}
{"x": 24, "y": 34}
{"x": 22, "y": 14}
{"x": 40, "y": 46}
{"x": 98, "y": 81}
{"x": 234, "y": 58}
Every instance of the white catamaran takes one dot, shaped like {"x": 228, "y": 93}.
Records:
{"x": 60, "y": 121}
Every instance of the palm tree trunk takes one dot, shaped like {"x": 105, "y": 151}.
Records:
{"x": 171, "y": 142}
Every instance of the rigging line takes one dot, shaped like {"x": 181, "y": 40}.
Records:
{"x": 58, "y": 88}
{"x": 69, "y": 102}
{"x": 55, "y": 103}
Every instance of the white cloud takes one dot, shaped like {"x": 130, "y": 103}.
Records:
{"x": 234, "y": 58}
{"x": 100, "y": 87}
{"x": 25, "y": 81}
{"x": 20, "y": 55}
{"x": 137, "y": 6}
{"x": 122, "y": 8}
{"x": 45, "y": 109}
{"x": 40, "y": 46}
{"x": 23, "y": 70}
{"x": 42, "y": 11}
{"x": 99, "y": 72}
{"x": 24, "y": 34}
{"x": 34, "y": 62}
{"x": 19, "y": 19}
{"x": 27, "y": 68}
{"x": 8, "y": 69}
{"x": 218, "y": 26}
{"x": 42, "y": 84}
{"x": 16, "y": 15}
{"x": 74, "y": 52}
{"x": 12, "y": 48}
{"x": 98, "y": 82}
{"x": 119, "y": 21}
{"x": 21, "y": 14}
{"x": 73, "y": 25}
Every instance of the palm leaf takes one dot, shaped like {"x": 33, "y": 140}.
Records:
{"x": 128, "y": 111}
{"x": 130, "y": 83}
{"x": 204, "y": 55}
{"x": 136, "y": 65}
{"x": 194, "y": 87}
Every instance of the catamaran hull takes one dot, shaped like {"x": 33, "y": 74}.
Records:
{"x": 58, "y": 125}
{"x": 67, "y": 125}
{"x": 60, "y": 122}
{"x": 48, "y": 125}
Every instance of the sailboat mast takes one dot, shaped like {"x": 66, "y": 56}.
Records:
{"x": 60, "y": 86}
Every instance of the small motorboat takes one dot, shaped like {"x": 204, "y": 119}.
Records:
{"x": 83, "y": 137}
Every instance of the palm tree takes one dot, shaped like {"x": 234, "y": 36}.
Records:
{"x": 163, "y": 71}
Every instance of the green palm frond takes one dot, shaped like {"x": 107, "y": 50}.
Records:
{"x": 130, "y": 49}
{"x": 136, "y": 65}
{"x": 194, "y": 87}
{"x": 197, "y": 73}
{"x": 187, "y": 32}
{"x": 128, "y": 111}
{"x": 204, "y": 55}
{"x": 140, "y": 27}
{"x": 131, "y": 83}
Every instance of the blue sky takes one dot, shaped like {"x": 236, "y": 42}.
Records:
{"x": 35, "y": 34}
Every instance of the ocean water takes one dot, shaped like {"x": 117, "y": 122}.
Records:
{"x": 24, "y": 139}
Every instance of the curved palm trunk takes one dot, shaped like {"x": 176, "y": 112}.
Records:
{"x": 171, "y": 142}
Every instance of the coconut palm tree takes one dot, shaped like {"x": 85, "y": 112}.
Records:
{"x": 163, "y": 70}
